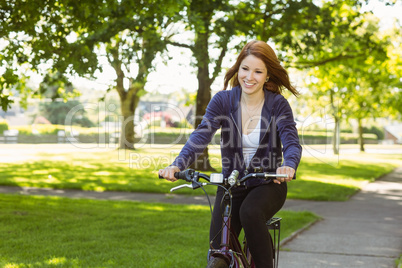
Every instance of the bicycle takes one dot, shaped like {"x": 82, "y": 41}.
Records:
{"x": 230, "y": 253}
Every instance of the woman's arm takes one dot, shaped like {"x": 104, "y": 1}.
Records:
{"x": 202, "y": 136}
{"x": 288, "y": 134}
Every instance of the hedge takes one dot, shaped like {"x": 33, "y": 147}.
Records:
{"x": 49, "y": 134}
{"x": 3, "y": 126}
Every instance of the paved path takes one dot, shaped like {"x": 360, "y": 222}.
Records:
{"x": 127, "y": 196}
{"x": 365, "y": 231}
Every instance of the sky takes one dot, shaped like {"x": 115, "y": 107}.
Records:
{"x": 178, "y": 72}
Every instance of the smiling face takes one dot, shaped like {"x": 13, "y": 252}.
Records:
{"x": 252, "y": 74}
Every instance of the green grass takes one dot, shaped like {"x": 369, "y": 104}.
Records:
{"x": 398, "y": 262}
{"x": 136, "y": 171}
{"x": 318, "y": 180}
{"x": 59, "y": 232}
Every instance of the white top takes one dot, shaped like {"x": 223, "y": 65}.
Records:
{"x": 250, "y": 143}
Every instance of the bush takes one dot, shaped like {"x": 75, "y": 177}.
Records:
{"x": 56, "y": 112}
{"x": 40, "y": 129}
{"x": 375, "y": 130}
{"x": 3, "y": 126}
{"x": 182, "y": 124}
{"x": 321, "y": 137}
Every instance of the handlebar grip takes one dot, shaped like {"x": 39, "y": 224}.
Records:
{"x": 186, "y": 175}
{"x": 177, "y": 175}
{"x": 182, "y": 175}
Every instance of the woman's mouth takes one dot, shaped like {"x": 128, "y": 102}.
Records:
{"x": 248, "y": 84}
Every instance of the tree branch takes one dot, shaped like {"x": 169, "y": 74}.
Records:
{"x": 114, "y": 61}
{"x": 180, "y": 45}
{"x": 310, "y": 64}
{"x": 218, "y": 66}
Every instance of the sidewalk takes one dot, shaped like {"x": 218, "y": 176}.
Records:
{"x": 365, "y": 231}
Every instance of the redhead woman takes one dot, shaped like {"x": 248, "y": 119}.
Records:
{"x": 258, "y": 133}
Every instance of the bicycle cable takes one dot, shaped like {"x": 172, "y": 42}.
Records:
{"x": 226, "y": 191}
{"x": 209, "y": 200}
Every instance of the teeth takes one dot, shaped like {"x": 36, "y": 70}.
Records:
{"x": 248, "y": 84}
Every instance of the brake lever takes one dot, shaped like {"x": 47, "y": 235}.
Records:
{"x": 181, "y": 186}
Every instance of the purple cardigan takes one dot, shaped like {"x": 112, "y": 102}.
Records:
{"x": 278, "y": 135}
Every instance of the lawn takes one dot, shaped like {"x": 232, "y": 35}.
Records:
{"x": 318, "y": 180}
{"x": 136, "y": 171}
{"x": 60, "y": 232}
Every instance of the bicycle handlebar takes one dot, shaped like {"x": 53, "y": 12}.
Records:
{"x": 264, "y": 175}
{"x": 190, "y": 175}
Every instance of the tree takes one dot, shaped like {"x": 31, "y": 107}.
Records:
{"x": 31, "y": 35}
{"x": 69, "y": 35}
{"x": 56, "y": 112}
{"x": 56, "y": 86}
{"x": 358, "y": 86}
{"x": 374, "y": 85}
{"x": 394, "y": 66}
{"x": 211, "y": 22}
{"x": 290, "y": 24}
{"x": 327, "y": 33}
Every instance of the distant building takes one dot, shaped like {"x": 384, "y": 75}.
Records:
{"x": 163, "y": 111}
{"x": 393, "y": 133}
{"x": 16, "y": 116}
{"x": 41, "y": 120}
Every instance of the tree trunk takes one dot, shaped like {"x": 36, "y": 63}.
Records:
{"x": 127, "y": 134}
{"x": 203, "y": 94}
{"x": 129, "y": 100}
{"x": 336, "y": 132}
{"x": 361, "y": 139}
{"x": 336, "y": 136}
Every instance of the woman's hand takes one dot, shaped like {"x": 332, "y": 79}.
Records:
{"x": 285, "y": 170}
{"x": 168, "y": 173}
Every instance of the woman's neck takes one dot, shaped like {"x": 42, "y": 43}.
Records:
{"x": 253, "y": 100}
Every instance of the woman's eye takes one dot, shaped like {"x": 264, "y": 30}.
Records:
{"x": 244, "y": 68}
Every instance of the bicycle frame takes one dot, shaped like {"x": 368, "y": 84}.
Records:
{"x": 235, "y": 255}
{"x": 230, "y": 249}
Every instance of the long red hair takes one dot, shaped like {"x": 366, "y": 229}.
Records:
{"x": 278, "y": 76}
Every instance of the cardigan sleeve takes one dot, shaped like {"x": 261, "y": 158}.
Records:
{"x": 203, "y": 134}
{"x": 288, "y": 134}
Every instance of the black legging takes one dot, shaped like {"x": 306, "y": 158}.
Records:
{"x": 251, "y": 209}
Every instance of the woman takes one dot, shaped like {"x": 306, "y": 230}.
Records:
{"x": 258, "y": 133}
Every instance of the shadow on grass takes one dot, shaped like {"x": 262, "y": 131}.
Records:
{"x": 88, "y": 176}
{"x": 93, "y": 233}
{"x": 315, "y": 180}
{"x": 63, "y": 175}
